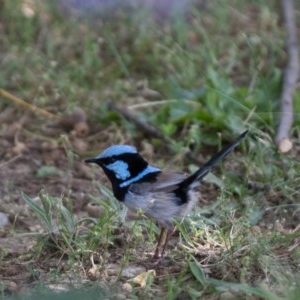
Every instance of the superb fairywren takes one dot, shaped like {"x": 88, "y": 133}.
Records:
{"x": 162, "y": 196}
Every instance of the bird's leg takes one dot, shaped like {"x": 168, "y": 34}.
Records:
{"x": 160, "y": 242}
{"x": 163, "y": 239}
{"x": 168, "y": 237}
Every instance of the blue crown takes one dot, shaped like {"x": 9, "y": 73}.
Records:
{"x": 116, "y": 150}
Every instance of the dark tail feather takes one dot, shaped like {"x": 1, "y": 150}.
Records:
{"x": 202, "y": 172}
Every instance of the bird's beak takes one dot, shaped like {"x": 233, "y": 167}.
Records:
{"x": 90, "y": 160}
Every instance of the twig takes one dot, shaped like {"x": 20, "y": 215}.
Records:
{"x": 27, "y": 105}
{"x": 146, "y": 127}
{"x": 291, "y": 76}
{"x": 10, "y": 160}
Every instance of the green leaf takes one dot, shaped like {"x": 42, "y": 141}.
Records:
{"x": 224, "y": 285}
{"x": 197, "y": 272}
{"x": 255, "y": 216}
{"x": 42, "y": 215}
{"x": 69, "y": 221}
{"x": 46, "y": 171}
{"x": 237, "y": 287}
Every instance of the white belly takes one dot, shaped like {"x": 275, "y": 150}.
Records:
{"x": 161, "y": 206}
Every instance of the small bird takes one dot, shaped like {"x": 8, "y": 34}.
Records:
{"x": 162, "y": 196}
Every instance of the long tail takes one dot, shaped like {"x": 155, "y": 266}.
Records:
{"x": 202, "y": 172}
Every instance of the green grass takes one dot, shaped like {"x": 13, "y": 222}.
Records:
{"x": 218, "y": 70}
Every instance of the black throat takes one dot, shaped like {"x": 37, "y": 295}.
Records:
{"x": 119, "y": 192}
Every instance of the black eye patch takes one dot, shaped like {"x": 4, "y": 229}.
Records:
{"x": 108, "y": 160}
{"x": 135, "y": 162}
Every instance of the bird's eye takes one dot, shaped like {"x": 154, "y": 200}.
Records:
{"x": 109, "y": 160}
{"x": 112, "y": 159}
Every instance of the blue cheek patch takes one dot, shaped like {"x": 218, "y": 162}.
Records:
{"x": 120, "y": 168}
{"x": 145, "y": 172}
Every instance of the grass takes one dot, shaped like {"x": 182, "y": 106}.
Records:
{"x": 213, "y": 70}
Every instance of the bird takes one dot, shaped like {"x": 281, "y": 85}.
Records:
{"x": 162, "y": 196}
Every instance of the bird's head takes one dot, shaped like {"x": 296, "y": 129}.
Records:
{"x": 123, "y": 165}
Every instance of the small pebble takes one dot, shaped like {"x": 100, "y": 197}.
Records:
{"x": 9, "y": 286}
{"x": 127, "y": 287}
{"x": 3, "y": 219}
{"x": 93, "y": 273}
{"x": 94, "y": 210}
{"x": 285, "y": 145}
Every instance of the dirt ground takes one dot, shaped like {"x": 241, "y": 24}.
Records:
{"x": 28, "y": 144}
